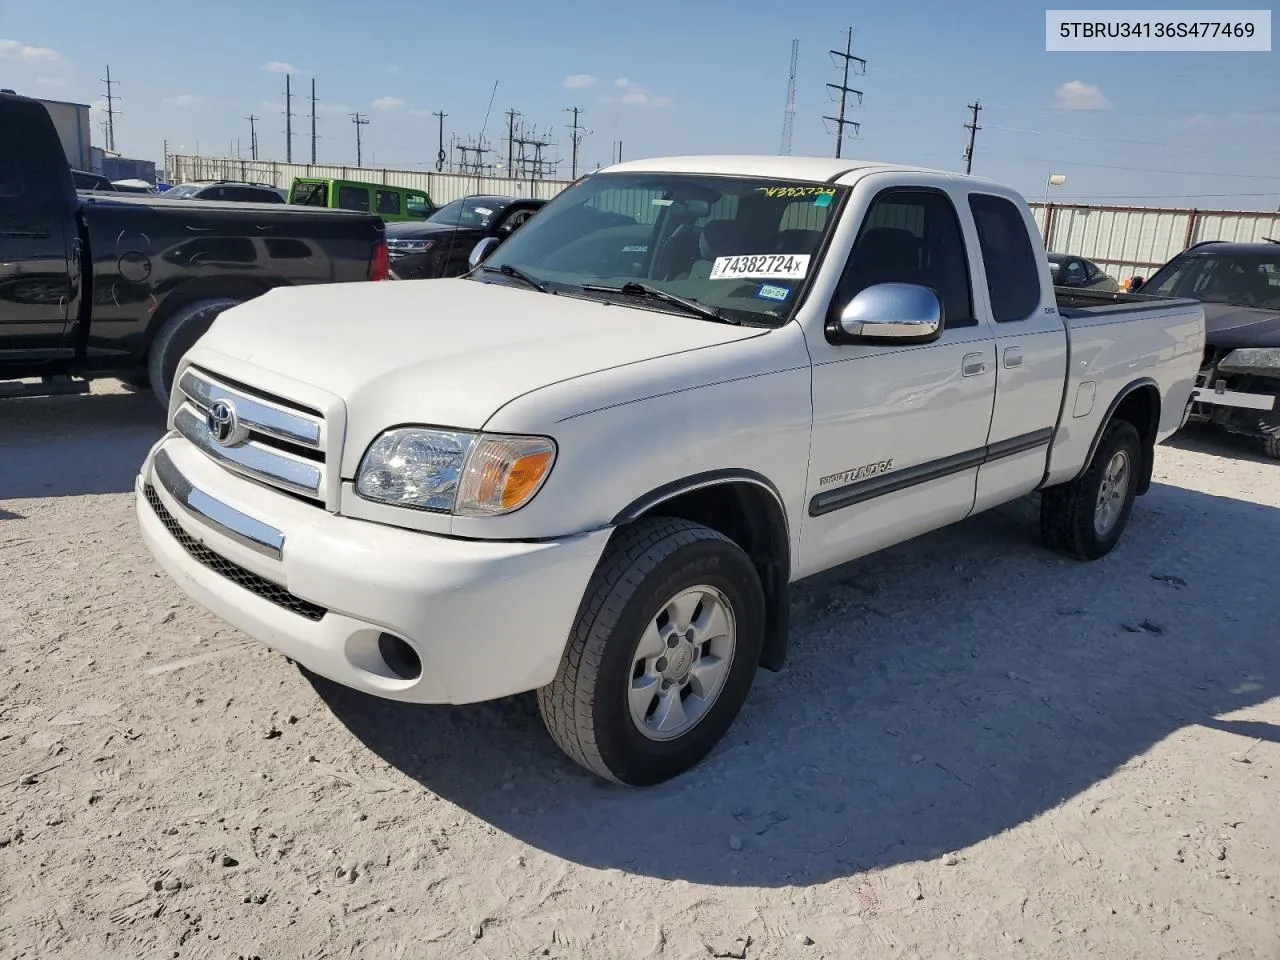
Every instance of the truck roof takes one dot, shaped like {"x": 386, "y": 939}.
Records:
{"x": 814, "y": 169}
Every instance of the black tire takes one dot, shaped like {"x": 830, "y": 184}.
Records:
{"x": 176, "y": 337}
{"x": 1271, "y": 447}
{"x": 1067, "y": 522}
{"x": 585, "y": 708}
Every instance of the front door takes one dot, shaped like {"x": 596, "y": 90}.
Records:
{"x": 898, "y": 431}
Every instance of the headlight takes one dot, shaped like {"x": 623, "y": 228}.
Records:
{"x": 410, "y": 246}
{"x": 445, "y": 471}
{"x": 1251, "y": 359}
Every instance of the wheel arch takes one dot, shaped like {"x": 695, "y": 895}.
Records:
{"x": 204, "y": 288}
{"x": 1139, "y": 404}
{"x": 748, "y": 509}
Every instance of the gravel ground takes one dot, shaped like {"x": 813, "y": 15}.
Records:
{"x": 978, "y": 749}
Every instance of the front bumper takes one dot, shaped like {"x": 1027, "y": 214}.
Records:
{"x": 486, "y": 618}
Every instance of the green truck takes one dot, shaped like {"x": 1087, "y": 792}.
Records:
{"x": 391, "y": 203}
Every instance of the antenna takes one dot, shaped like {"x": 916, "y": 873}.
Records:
{"x": 111, "y": 111}
{"x": 844, "y": 88}
{"x": 578, "y": 132}
{"x": 973, "y": 129}
{"x": 253, "y": 136}
{"x": 313, "y": 120}
{"x": 288, "y": 120}
{"x": 360, "y": 121}
{"x": 789, "y": 114}
{"x": 440, "y": 154}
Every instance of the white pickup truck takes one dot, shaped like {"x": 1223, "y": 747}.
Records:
{"x": 593, "y": 466}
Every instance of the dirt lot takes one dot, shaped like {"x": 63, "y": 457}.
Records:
{"x": 977, "y": 750}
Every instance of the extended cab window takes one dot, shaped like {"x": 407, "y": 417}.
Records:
{"x": 1013, "y": 273}
{"x": 911, "y": 236}
{"x": 353, "y": 198}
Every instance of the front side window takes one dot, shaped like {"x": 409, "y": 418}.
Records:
{"x": 911, "y": 236}
{"x": 415, "y": 204}
{"x": 743, "y": 246}
{"x": 1245, "y": 279}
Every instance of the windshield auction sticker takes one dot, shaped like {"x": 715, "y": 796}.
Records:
{"x": 764, "y": 266}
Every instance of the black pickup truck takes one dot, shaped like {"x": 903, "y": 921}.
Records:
{"x": 113, "y": 285}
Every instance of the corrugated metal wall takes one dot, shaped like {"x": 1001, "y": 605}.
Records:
{"x": 1128, "y": 241}
{"x": 441, "y": 187}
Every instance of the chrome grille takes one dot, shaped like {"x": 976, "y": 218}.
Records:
{"x": 275, "y": 442}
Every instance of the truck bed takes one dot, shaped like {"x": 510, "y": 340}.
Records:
{"x": 1074, "y": 302}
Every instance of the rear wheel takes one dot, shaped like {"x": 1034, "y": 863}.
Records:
{"x": 1085, "y": 518}
{"x": 176, "y": 337}
{"x": 661, "y": 656}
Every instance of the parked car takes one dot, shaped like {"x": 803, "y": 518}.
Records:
{"x": 392, "y": 203}
{"x": 1238, "y": 387}
{"x": 232, "y": 190}
{"x": 108, "y": 284}
{"x": 84, "y": 180}
{"x": 1071, "y": 271}
{"x": 593, "y": 466}
{"x": 440, "y": 246}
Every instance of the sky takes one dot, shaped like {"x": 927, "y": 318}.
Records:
{"x": 1156, "y": 129}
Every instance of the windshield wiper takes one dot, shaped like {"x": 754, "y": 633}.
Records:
{"x": 507, "y": 270}
{"x": 633, "y": 289}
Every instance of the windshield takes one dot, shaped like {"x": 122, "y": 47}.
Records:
{"x": 741, "y": 245}
{"x": 1243, "y": 279}
{"x": 475, "y": 212}
{"x": 178, "y": 193}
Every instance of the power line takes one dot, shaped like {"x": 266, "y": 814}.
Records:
{"x": 313, "y": 119}
{"x": 288, "y": 120}
{"x": 576, "y": 136}
{"x": 843, "y": 87}
{"x": 440, "y": 154}
{"x": 253, "y": 136}
{"x": 111, "y": 110}
{"x": 359, "y": 121}
{"x": 973, "y": 129}
{"x": 789, "y": 113}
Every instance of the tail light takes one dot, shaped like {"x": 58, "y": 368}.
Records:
{"x": 379, "y": 265}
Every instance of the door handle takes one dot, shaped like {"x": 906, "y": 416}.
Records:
{"x": 1013, "y": 357}
{"x": 973, "y": 364}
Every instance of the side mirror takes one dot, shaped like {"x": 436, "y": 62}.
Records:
{"x": 893, "y": 313}
{"x": 480, "y": 251}
{"x": 1136, "y": 284}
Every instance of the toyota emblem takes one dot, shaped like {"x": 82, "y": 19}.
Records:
{"x": 223, "y": 424}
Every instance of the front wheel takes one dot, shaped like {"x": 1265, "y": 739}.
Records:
{"x": 661, "y": 656}
{"x": 1271, "y": 447}
{"x": 176, "y": 337}
{"x": 1084, "y": 518}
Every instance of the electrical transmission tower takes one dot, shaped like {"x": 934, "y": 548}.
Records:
{"x": 789, "y": 114}
{"x": 844, "y": 89}
{"x": 440, "y": 154}
{"x": 288, "y": 119}
{"x": 360, "y": 121}
{"x": 110, "y": 124}
{"x": 253, "y": 136}
{"x": 973, "y": 129}
{"x": 576, "y": 134}
{"x": 528, "y": 159}
{"x": 473, "y": 155}
{"x": 313, "y": 120}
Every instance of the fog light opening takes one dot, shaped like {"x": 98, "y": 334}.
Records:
{"x": 401, "y": 658}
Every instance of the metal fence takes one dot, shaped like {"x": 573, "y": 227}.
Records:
{"x": 440, "y": 187}
{"x": 1129, "y": 241}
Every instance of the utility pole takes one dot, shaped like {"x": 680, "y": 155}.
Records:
{"x": 359, "y": 121}
{"x": 843, "y": 87}
{"x": 288, "y": 120}
{"x": 440, "y": 154}
{"x": 111, "y": 110}
{"x": 512, "y": 113}
{"x": 973, "y": 129}
{"x": 578, "y": 132}
{"x": 313, "y": 120}
{"x": 789, "y": 114}
{"x": 253, "y": 136}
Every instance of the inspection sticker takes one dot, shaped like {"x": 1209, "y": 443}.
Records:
{"x": 769, "y": 291}
{"x": 764, "y": 266}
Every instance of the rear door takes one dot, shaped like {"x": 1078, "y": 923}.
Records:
{"x": 1031, "y": 352}
{"x": 37, "y": 234}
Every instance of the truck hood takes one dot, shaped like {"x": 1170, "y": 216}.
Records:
{"x": 1229, "y": 327}
{"x": 446, "y": 352}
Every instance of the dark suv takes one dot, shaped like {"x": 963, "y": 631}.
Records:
{"x": 225, "y": 190}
